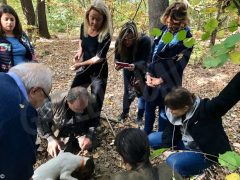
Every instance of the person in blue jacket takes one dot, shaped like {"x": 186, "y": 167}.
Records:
{"x": 15, "y": 47}
{"x": 196, "y": 128}
{"x": 167, "y": 66}
{"x": 22, "y": 90}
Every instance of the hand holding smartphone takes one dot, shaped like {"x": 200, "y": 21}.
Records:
{"x": 122, "y": 64}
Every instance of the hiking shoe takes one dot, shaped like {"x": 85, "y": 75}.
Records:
{"x": 122, "y": 116}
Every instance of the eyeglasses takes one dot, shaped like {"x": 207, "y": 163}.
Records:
{"x": 47, "y": 96}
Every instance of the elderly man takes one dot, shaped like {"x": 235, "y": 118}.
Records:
{"x": 22, "y": 90}
{"x": 69, "y": 121}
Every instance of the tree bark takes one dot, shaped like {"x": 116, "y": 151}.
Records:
{"x": 42, "y": 19}
{"x": 155, "y": 11}
{"x": 28, "y": 11}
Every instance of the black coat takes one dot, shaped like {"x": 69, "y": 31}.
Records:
{"x": 169, "y": 64}
{"x": 205, "y": 126}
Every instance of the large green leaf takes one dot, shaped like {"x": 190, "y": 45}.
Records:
{"x": 235, "y": 57}
{"x": 233, "y": 26}
{"x": 211, "y": 61}
{"x": 230, "y": 159}
{"x": 157, "y": 152}
{"x": 205, "y": 36}
{"x": 232, "y": 40}
{"x": 156, "y": 32}
{"x": 219, "y": 49}
{"x": 211, "y": 25}
{"x": 167, "y": 37}
{"x": 181, "y": 35}
{"x": 189, "y": 42}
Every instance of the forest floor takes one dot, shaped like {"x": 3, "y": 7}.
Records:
{"x": 58, "y": 55}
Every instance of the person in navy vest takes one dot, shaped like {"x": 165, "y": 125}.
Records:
{"x": 22, "y": 90}
{"x": 167, "y": 66}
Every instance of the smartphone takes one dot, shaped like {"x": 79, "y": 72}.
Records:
{"x": 122, "y": 64}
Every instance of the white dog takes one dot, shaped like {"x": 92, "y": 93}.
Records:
{"x": 62, "y": 167}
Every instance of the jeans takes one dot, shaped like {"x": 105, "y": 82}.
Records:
{"x": 150, "y": 116}
{"x": 129, "y": 97}
{"x": 185, "y": 163}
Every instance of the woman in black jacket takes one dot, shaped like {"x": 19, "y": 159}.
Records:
{"x": 196, "y": 126}
{"x": 132, "y": 48}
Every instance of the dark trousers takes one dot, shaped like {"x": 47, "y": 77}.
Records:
{"x": 129, "y": 94}
{"x": 97, "y": 83}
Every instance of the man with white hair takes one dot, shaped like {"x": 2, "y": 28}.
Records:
{"x": 69, "y": 120}
{"x": 22, "y": 90}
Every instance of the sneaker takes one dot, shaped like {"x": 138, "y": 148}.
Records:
{"x": 122, "y": 116}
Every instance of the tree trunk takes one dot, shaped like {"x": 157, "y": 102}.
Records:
{"x": 28, "y": 11}
{"x": 156, "y": 10}
{"x": 42, "y": 19}
{"x": 3, "y": 1}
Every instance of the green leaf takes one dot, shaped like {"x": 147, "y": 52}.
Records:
{"x": 219, "y": 49}
{"x": 211, "y": 25}
{"x": 220, "y": 34}
{"x": 157, "y": 152}
{"x": 195, "y": 2}
{"x": 189, "y": 42}
{"x": 235, "y": 57}
{"x": 232, "y": 40}
{"x": 210, "y": 10}
{"x": 231, "y": 7}
{"x": 233, "y": 26}
{"x": 230, "y": 159}
{"x": 205, "y": 36}
{"x": 181, "y": 35}
{"x": 233, "y": 176}
{"x": 218, "y": 61}
{"x": 156, "y": 32}
{"x": 167, "y": 37}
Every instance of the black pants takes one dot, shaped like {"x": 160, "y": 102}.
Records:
{"x": 97, "y": 83}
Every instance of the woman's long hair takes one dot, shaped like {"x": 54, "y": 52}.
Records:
{"x": 128, "y": 28}
{"x": 17, "y": 31}
{"x": 99, "y": 6}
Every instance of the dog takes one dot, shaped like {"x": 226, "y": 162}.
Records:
{"x": 66, "y": 166}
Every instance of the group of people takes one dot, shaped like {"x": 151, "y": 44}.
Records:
{"x": 68, "y": 120}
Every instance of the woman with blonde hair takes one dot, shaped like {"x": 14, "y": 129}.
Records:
{"x": 90, "y": 60}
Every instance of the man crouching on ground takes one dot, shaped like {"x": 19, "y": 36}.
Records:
{"x": 69, "y": 120}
